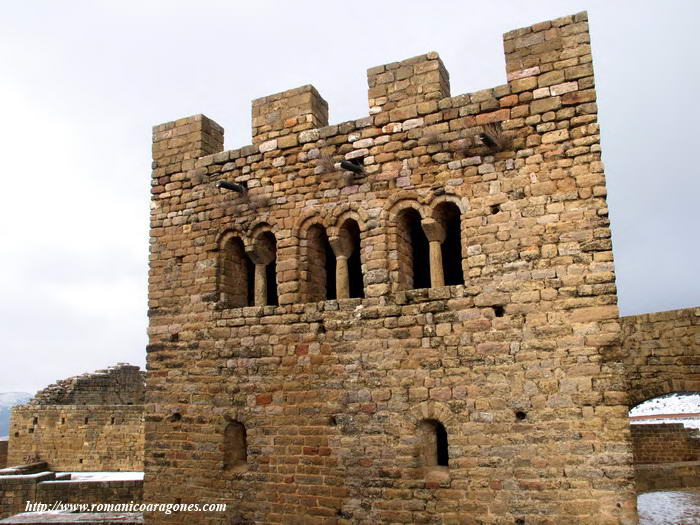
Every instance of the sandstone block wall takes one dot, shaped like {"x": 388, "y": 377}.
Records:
{"x": 78, "y": 437}
{"x": 661, "y": 353}
{"x": 89, "y": 492}
{"x": 664, "y": 443}
{"x": 665, "y": 476}
{"x": 118, "y": 385}
{"x": 16, "y": 490}
{"x": 515, "y": 357}
{"x": 3, "y": 453}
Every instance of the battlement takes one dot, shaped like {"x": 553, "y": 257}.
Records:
{"x": 363, "y": 318}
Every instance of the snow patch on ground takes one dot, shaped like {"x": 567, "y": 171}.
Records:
{"x": 669, "y": 507}
{"x": 677, "y": 403}
{"x": 105, "y": 476}
{"x": 687, "y": 422}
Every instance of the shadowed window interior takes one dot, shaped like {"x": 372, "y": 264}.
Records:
{"x": 433, "y": 443}
{"x": 235, "y": 446}
{"x": 413, "y": 251}
{"x": 449, "y": 216}
{"x": 320, "y": 259}
{"x": 354, "y": 261}
{"x": 236, "y": 278}
{"x": 271, "y": 269}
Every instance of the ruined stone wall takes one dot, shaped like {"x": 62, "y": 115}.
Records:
{"x": 661, "y": 352}
{"x": 122, "y": 384}
{"x": 79, "y": 438}
{"x": 336, "y": 396}
{"x": 15, "y": 491}
{"x": 664, "y": 443}
{"x": 3, "y": 453}
{"x": 100, "y": 492}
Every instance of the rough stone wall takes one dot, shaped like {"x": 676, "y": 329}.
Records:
{"x": 122, "y": 384}
{"x": 664, "y": 476}
{"x": 3, "y": 453}
{"x": 79, "y": 438}
{"x": 101, "y": 492}
{"x": 516, "y": 363}
{"x": 16, "y": 490}
{"x": 664, "y": 443}
{"x": 661, "y": 353}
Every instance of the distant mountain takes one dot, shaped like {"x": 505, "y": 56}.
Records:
{"x": 7, "y": 401}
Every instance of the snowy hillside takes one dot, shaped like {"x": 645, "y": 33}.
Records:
{"x": 677, "y": 403}
{"x": 7, "y": 401}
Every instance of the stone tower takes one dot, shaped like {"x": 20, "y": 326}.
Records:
{"x": 406, "y": 318}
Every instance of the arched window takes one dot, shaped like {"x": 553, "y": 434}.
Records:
{"x": 448, "y": 215}
{"x": 351, "y": 231}
{"x": 320, "y": 264}
{"x": 413, "y": 251}
{"x": 434, "y": 450}
{"x": 236, "y": 275}
{"x": 271, "y": 269}
{"x": 235, "y": 446}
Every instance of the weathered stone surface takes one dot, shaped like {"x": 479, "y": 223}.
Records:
{"x": 335, "y": 394}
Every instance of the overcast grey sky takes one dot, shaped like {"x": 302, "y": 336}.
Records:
{"x": 81, "y": 84}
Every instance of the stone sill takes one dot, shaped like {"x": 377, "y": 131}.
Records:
{"x": 419, "y": 295}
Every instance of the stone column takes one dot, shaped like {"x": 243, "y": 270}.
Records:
{"x": 342, "y": 248}
{"x": 262, "y": 254}
{"x": 436, "y": 236}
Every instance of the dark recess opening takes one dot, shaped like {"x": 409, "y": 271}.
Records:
{"x": 442, "y": 448}
{"x": 499, "y": 311}
{"x": 271, "y": 276}
{"x": 419, "y": 251}
{"x": 250, "y": 279}
{"x": 271, "y": 269}
{"x": 520, "y": 415}
{"x": 495, "y": 209}
{"x": 357, "y": 288}
{"x": 175, "y": 417}
{"x": 449, "y": 216}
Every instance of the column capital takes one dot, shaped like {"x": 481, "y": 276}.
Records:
{"x": 433, "y": 230}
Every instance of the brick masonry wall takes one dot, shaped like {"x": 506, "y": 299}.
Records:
{"x": 3, "y": 452}
{"x": 78, "y": 438}
{"x": 99, "y": 492}
{"x": 515, "y": 363}
{"x": 661, "y": 353}
{"x": 664, "y": 443}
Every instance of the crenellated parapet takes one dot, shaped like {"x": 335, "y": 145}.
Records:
{"x": 418, "y": 305}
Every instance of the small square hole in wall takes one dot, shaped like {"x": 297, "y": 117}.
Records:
{"x": 87, "y": 419}
{"x": 81, "y": 460}
{"x": 499, "y": 311}
{"x": 495, "y": 209}
{"x": 16, "y": 434}
{"x": 112, "y": 421}
{"x": 35, "y": 421}
{"x": 63, "y": 421}
{"x": 31, "y": 430}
